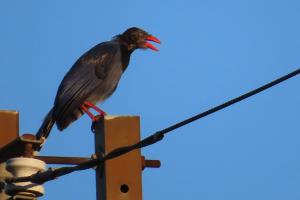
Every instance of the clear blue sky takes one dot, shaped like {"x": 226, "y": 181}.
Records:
{"x": 211, "y": 51}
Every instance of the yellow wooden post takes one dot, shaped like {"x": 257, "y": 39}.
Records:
{"x": 119, "y": 178}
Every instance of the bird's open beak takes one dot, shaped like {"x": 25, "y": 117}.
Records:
{"x": 153, "y": 39}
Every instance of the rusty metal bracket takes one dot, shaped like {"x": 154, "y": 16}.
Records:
{"x": 150, "y": 163}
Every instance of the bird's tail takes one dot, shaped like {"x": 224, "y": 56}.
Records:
{"x": 46, "y": 126}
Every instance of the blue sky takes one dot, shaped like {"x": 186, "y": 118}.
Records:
{"x": 211, "y": 51}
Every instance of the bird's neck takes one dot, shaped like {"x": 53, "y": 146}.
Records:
{"x": 125, "y": 49}
{"x": 126, "y": 44}
{"x": 125, "y": 56}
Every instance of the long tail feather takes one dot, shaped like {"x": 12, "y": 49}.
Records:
{"x": 46, "y": 126}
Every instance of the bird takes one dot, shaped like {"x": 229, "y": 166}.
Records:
{"x": 93, "y": 78}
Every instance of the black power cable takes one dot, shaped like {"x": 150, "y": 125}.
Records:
{"x": 51, "y": 174}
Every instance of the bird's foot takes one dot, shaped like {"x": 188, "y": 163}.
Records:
{"x": 97, "y": 117}
{"x": 85, "y": 108}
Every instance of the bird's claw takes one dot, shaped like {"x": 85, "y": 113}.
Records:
{"x": 95, "y": 119}
{"x": 98, "y": 117}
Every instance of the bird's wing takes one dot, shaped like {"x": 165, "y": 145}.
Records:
{"x": 84, "y": 77}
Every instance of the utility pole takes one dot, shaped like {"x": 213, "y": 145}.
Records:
{"x": 117, "y": 179}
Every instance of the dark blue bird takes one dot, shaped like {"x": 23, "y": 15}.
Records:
{"x": 93, "y": 78}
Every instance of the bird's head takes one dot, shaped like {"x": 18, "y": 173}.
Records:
{"x": 135, "y": 38}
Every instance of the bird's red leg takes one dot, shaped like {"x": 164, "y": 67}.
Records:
{"x": 91, "y": 105}
{"x": 86, "y": 110}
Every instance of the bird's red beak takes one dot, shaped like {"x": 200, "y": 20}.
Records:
{"x": 153, "y": 39}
